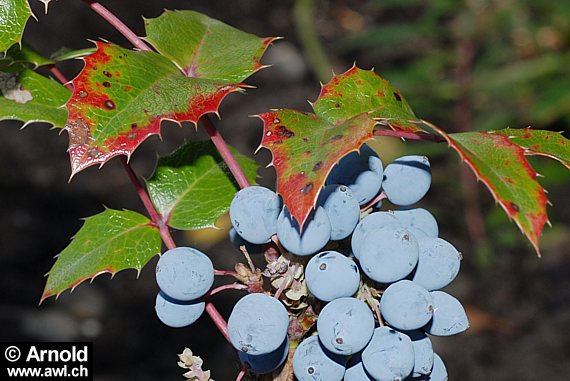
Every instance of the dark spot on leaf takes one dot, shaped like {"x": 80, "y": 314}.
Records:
{"x": 336, "y": 137}
{"x": 128, "y": 88}
{"x": 337, "y": 105}
{"x": 397, "y": 96}
{"x": 82, "y": 94}
{"x": 283, "y": 131}
{"x": 134, "y": 125}
{"x": 515, "y": 207}
{"x": 106, "y": 84}
{"x": 318, "y": 166}
{"x": 109, "y": 104}
{"x": 307, "y": 188}
{"x": 107, "y": 74}
{"x": 305, "y": 140}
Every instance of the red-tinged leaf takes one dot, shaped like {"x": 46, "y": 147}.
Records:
{"x": 121, "y": 96}
{"x": 358, "y": 91}
{"x": 502, "y": 166}
{"x": 540, "y": 142}
{"x": 305, "y": 147}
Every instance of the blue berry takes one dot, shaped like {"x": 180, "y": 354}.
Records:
{"x": 258, "y": 324}
{"x": 177, "y": 314}
{"x": 184, "y": 273}
{"x": 267, "y": 363}
{"x": 406, "y": 305}
{"x": 389, "y": 356}
{"x": 439, "y": 372}
{"x": 407, "y": 180}
{"x": 355, "y": 370}
{"x": 418, "y": 218}
{"x": 316, "y": 232}
{"x": 371, "y": 222}
{"x": 253, "y": 213}
{"x": 342, "y": 208}
{"x": 345, "y": 326}
{"x": 331, "y": 275}
{"x": 449, "y": 317}
{"x": 423, "y": 353}
{"x": 312, "y": 362}
{"x": 438, "y": 263}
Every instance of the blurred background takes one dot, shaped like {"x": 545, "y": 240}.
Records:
{"x": 464, "y": 65}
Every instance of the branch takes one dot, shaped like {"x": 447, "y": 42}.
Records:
{"x": 225, "y": 152}
{"x": 409, "y": 135}
{"x": 117, "y": 24}
{"x": 218, "y": 320}
{"x": 60, "y": 77}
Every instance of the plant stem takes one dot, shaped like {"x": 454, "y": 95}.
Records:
{"x": 224, "y": 272}
{"x": 148, "y": 205}
{"x": 231, "y": 286}
{"x": 374, "y": 201}
{"x": 242, "y": 373}
{"x": 218, "y": 320}
{"x": 225, "y": 152}
{"x": 59, "y": 76}
{"x": 117, "y": 24}
{"x": 409, "y": 135}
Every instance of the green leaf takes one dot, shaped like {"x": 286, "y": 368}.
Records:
{"x": 206, "y": 48}
{"x": 108, "y": 242}
{"x": 540, "y": 142}
{"x": 192, "y": 187}
{"x": 30, "y": 97}
{"x": 502, "y": 166}
{"x": 14, "y": 15}
{"x": 360, "y": 91}
{"x": 121, "y": 96}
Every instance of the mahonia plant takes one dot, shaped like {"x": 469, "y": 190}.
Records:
{"x": 181, "y": 71}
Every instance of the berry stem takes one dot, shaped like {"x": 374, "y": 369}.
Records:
{"x": 224, "y": 272}
{"x": 231, "y": 286}
{"x": 377, "y": 199}
{"x": 242, "y": 373}
{"x": 117, "y": 24}
{"x": 218, "y": 319}
{"x": 409, "y": 135}
{"x": 225, "y": 152}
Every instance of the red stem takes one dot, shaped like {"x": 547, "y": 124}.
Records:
{"x": 231, "y": 286}
{"x": 117, "y": 24}
{"x": 409, "y": 135}
{"x": 225, "y": 152}
{"x": 374, "y": 201}
{"x": 242, "y": 373}
{"x": 224, "y": 272}
{"x": 218, "y": 320}
{"x": 60, "y": 77}
{"x": 149, "y": 206}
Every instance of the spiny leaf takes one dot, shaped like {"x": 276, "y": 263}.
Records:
{"x": 540, "y": 142}
{"x": 206, "y": 48}
{"x": 121, "y": 96}
{"x": 360, "y": 91}
{"x": 502, "y": 166}
{"x": 107, "y": 243}
{"x": 14, "y": 15}
{"x": 65, "y": 54}
{"x": 192, "y": 187}
{"x": 29, "y": 97}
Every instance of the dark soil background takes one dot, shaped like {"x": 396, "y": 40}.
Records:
{"x": 519, "y": 305}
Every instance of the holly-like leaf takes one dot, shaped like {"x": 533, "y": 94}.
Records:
{"x": 107, "y": 243}
{"x": 30, "y": 97}
{"x": 192, "y": 187}
{"x": 305, "y": 147}
{"x": 540, "y": 142}
{"x": 360, "y": 91}
{"x": 14, "y": 15}
{"x": 203, "y": 47}
{"x": 502, "y": 166}
{"x": 121, "y": 96}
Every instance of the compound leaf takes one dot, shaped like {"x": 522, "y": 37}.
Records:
{"x": 192, "y": 187}
{"x": 108, "y": 242}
